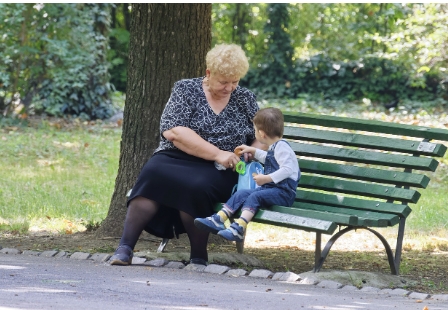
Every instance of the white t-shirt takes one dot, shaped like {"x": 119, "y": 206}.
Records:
{"x": 287, "y": 160}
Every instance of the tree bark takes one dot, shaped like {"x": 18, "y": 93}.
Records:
{"x": 168, "y": 42}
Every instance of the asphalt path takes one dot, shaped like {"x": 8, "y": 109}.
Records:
{"x": 30, "y": 282}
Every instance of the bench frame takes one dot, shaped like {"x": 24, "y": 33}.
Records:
{"x": 327, "y": 222}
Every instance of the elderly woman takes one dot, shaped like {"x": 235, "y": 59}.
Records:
{"x": 202, "y": 123}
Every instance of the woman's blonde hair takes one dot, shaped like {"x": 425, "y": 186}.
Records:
{"x": 228, "y": 60}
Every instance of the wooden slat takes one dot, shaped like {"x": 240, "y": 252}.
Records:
{"x": 352, "y": 203}
{"x": 365, "y": 141}
{"x": 359, "y": 188}
{"x": 364, "y": 173}
{"x": 367, "y": 125}
{"x": 294, "y": 221}
{"x": 286, "y": 217}
{"x": 365, "y": 218}
{"x": 361, "y": 156}
{"x": 348, "y": 219}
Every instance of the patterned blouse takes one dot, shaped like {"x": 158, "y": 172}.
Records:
{"x": 188, "y": 107}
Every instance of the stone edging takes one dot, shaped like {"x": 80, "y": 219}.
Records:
{"x": 220, "y": 269}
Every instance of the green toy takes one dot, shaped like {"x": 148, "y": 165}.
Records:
{"x": 241, "y": 167}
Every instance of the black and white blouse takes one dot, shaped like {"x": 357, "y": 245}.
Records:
{"x": 188, "y": 107}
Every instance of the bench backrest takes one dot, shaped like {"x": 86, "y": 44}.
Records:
{"x": 366, "y": 172}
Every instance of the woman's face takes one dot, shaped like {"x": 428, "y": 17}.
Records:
{"x": 220, "y": 85}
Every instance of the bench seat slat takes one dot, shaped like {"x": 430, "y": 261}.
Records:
{"x": 359, "y": 188}
{"x": 348, "y": 219}
{"x": 366, "y": 157}
{"x": 365, "y": 218}
{"x": 352, "y": 203}
{"x": 364, "y": 173}
{"x": 367, "y": 125}
{"x": 365, "y": 141}
{"x": 294, "y": 221}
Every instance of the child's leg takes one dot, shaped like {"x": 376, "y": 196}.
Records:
{"x": 215, "y": 222}
{"x": 237, "y": 229}
{"x": 261, "y": 198}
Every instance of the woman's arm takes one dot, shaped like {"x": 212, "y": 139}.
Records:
{"x": 191, "y": 143}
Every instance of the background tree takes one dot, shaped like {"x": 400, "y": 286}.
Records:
{"x": 53, "y": 59}
{"x": 168, "y": 42}
{"x": 273, "y": 77}
{"x": 119, "y": 45}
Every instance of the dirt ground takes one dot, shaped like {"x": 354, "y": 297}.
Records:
{"x": 288, "y": 251}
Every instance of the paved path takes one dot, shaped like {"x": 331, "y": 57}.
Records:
{"x": 35, "y": 282}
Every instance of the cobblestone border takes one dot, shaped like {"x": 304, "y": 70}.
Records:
{"x": 224, "y": 270}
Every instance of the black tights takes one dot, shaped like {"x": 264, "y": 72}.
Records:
{"x": 142, "y": 210}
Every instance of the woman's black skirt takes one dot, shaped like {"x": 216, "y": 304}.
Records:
{"x": 181, "y": 182}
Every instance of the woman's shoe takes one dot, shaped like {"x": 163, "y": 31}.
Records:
{"x": 198, "y": 261}
{"x": 123, "y": 256}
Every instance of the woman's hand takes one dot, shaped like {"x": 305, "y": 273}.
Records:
{"x": 261, "y": 179}
{"x": 227, "y": 159}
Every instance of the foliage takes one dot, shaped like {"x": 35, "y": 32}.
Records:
{"x": 64, "y": 59}
{"x": 54, "y": 59}
{"x": 378, "y": 79}
{"x": 396, "y": 52}
{"x": 117, "y": 55}
{"x": 242, "y": 24}
{"x": 278, "y": 60}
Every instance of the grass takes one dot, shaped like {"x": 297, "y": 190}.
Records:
{"x": 56, "y": 177}
{"x": 59, "y": 176}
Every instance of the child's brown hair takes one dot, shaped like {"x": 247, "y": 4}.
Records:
{"x": 271, "y": 121}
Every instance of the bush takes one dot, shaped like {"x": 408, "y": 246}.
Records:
{"x": 378, "y": 79}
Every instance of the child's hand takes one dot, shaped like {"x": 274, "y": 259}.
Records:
{"x": 244, "y": 149}
{"x": 261, "y": 179}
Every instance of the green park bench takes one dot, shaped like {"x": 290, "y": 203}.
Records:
{"x": 356, "y": 174}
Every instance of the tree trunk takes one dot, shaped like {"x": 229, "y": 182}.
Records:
{"x": 168, "y": 42}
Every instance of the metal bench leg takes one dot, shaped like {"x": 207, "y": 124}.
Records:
{"x": 390, "y": 254}
{"x": 163, "y": 245}
{"x": 399, "y": 246}
{"x": 318, "y": 251}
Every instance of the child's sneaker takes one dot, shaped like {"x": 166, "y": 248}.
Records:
{"x": 235, "y": 232}
{"x": 211, "y": 224}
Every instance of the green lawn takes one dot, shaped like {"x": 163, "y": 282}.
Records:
{"x": 56, "y": 178}
{"x": 62, "y": 178}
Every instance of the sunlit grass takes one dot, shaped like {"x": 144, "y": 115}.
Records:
{"x": 56, "y": 178}
{"x": 61, "y": 179}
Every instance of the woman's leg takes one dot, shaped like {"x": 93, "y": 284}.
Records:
{"x": 198, "y": 239}
{"x": 140, "y": 211}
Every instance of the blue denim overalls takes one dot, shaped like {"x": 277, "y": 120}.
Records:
{"x": 282, "y": 193}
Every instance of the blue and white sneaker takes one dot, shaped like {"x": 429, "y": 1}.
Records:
{"x": 211, "y": 224}
{"x": 235, "y": 232}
